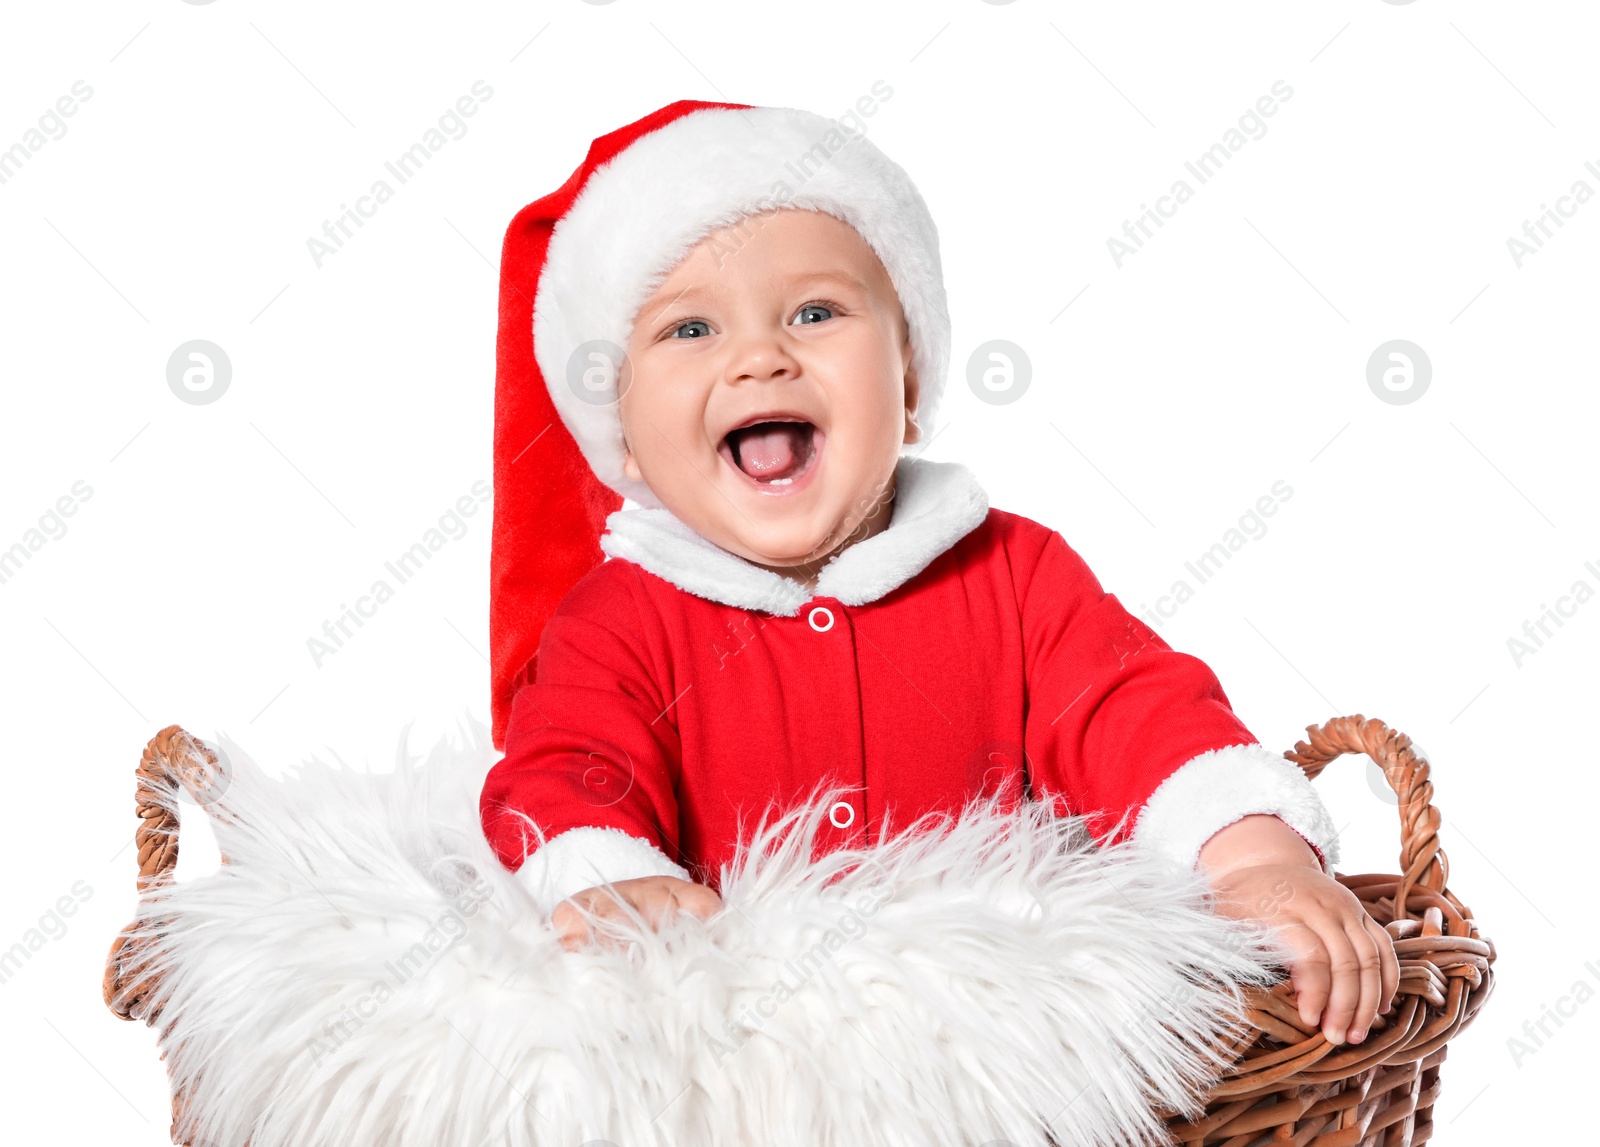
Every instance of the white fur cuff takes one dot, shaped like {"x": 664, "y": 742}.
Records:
{"x": 1217, "y": 788}
{"x": 588, "y": 857}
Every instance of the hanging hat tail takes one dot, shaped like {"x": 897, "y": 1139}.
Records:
{"x": 549, "y": 508}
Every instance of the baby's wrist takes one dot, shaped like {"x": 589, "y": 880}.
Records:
{"x": 1256, "y": 840}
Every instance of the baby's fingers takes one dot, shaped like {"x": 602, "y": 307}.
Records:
{"x": 660, "y": 898}
{"x": 1344, "y": 994}
{"x": 1326, "y": 978}
{"x": 1371, "y": 979}
{"x": 571, "y": 927}
{"x": 1388, "y": 962}
{"x": 656, "y": 903}
{"x": 698, "y": 900}
{"x": 1308, "y": 972}
{"x": 572, "y": 918}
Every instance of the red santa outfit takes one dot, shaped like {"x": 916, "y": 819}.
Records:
{"x": 656, "y": 694}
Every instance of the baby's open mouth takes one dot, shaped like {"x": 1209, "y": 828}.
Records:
{"x": 773, "y": 453}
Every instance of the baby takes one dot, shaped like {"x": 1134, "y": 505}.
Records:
{"x": 795, "y": 602}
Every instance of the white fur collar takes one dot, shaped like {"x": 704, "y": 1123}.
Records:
{"x": 936, "y": 504}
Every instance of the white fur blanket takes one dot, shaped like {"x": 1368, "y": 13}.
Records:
{"x": 363, "y": 971}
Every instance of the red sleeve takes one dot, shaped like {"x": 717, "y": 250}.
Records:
{"x": 1112, "y": 710}
{"x": 589, "y": 743}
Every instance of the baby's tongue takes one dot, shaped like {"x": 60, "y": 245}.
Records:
{"x": 771, "y": 449}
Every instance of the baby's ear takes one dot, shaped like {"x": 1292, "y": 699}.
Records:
{"x": 913, "y": 392}
{"x": 631, "y": 467}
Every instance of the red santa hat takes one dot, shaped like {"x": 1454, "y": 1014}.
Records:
{"x": 576, "y": 266}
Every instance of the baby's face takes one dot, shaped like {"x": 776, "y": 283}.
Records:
{"x": 769, "y": 388}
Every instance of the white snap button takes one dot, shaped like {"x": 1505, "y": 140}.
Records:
{"x": 849, "y": 814}
{"x": 815, "y": 624}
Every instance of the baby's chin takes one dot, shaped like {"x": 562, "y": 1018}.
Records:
{"x": 796, "y": 549}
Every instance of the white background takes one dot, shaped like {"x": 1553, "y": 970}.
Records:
{"x": 1166, "y": 398}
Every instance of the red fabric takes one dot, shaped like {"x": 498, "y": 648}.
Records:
{"x": 549, "y": 508}
{"x": 667, "y": 715}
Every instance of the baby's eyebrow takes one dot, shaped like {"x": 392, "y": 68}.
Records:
{"x": 695, "y": 293}
{"x": 844, "y": 277}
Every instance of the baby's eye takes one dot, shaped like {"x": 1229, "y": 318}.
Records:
{"x": 677, "y": 331}
{"x": 825, "y": 308}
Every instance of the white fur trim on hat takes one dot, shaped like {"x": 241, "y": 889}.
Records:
{"x": 641, "y": 213}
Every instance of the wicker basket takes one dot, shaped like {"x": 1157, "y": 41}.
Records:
{"x": 1288, "y": 1085}
{"x": 1291, "y": 1085}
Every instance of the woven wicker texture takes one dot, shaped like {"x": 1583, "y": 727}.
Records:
{"x": 1288, "y": 1085}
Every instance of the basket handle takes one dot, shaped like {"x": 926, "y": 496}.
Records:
{"x": 1422, "y": 861}
{"x": 172, "y": 757}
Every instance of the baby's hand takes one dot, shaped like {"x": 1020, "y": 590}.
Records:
{"x": 655, "y": 898}
{"x": 1344, "y": 959}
